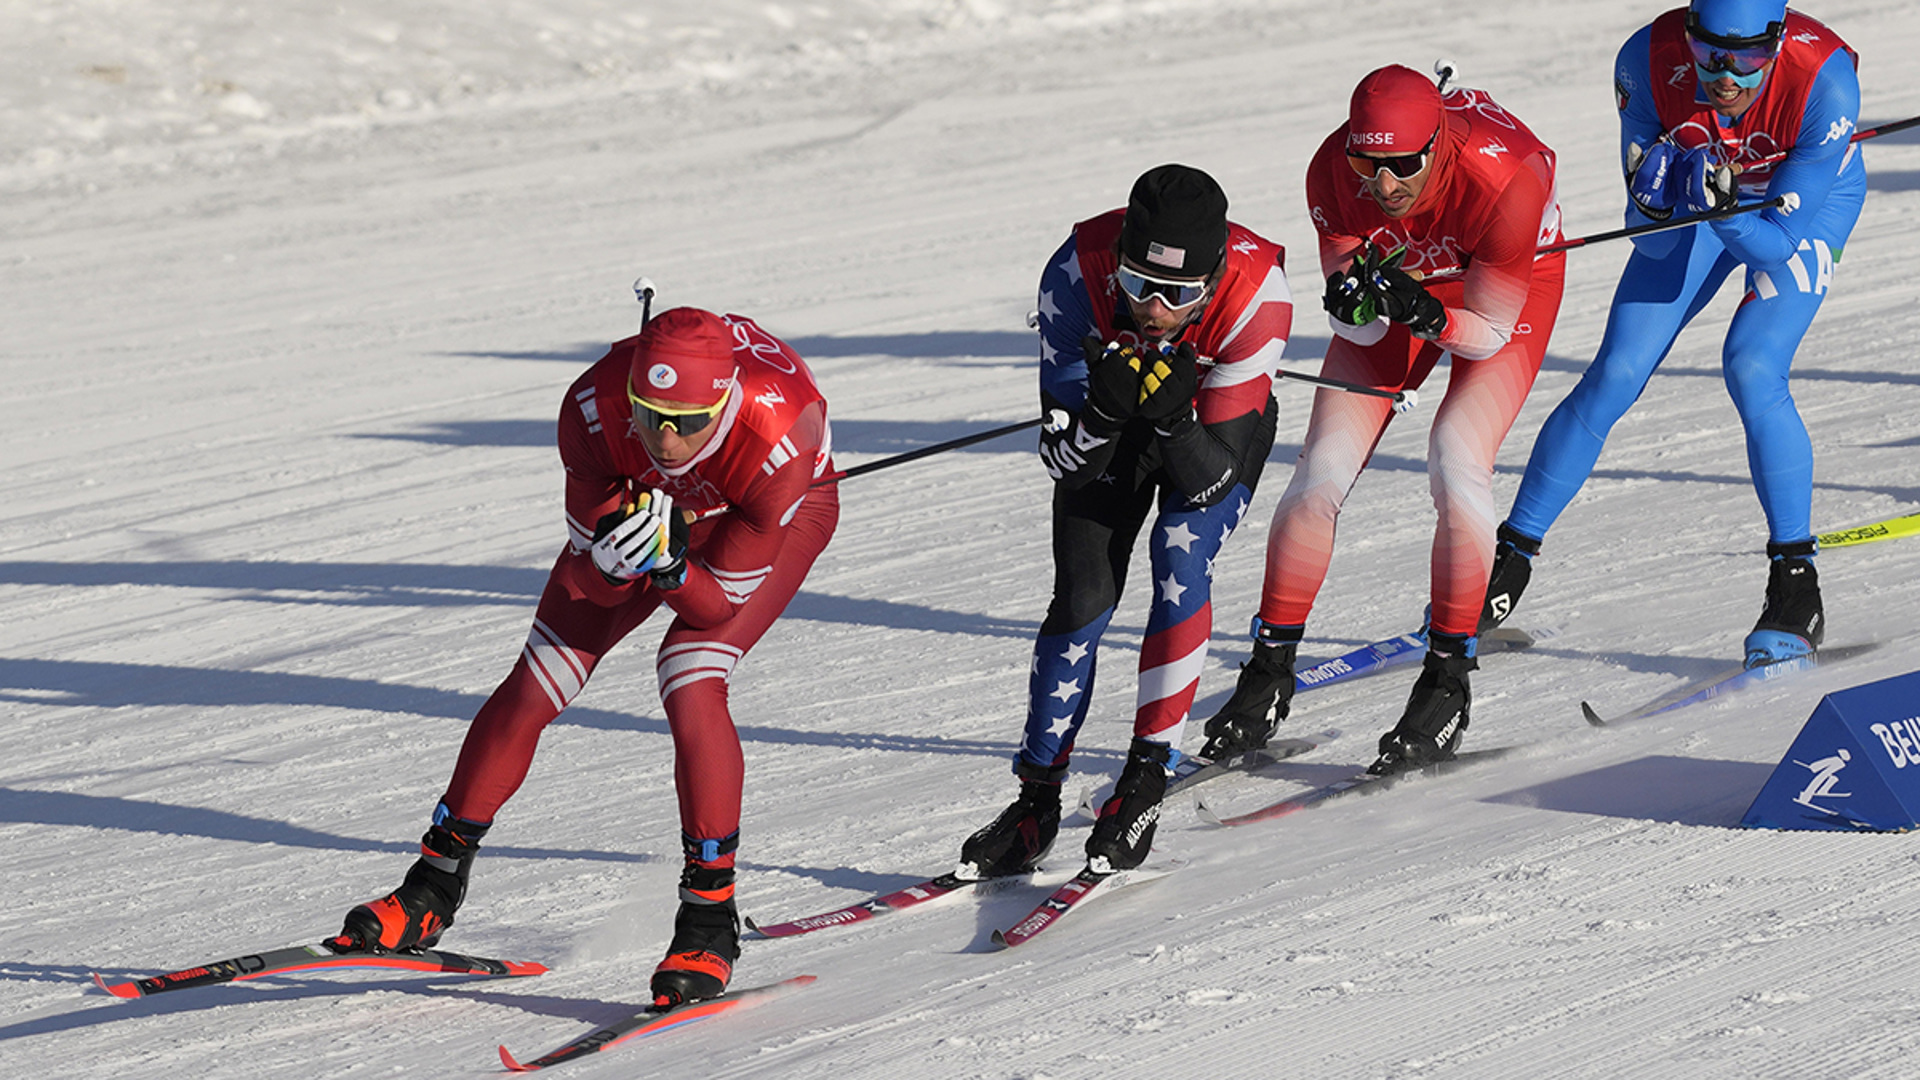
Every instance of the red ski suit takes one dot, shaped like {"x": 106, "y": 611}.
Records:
{"x": 1488, "y": 204}
{"x": 744, "y": 565}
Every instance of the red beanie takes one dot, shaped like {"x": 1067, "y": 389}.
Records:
{"x": 684, "y": 355}
{"x": 1395, "y": 110}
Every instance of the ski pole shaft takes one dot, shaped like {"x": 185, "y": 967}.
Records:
{"x": 1402, "y": 399}
{"x": 1860, "y": 135}
{"x": 1659, "y": 226}
{"x": 889, "y": 462}
{"x": 927, "y": 451}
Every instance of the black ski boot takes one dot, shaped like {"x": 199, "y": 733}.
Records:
{"x": 1793, "y": 622}
{"x": 1437, "y": 712}
{"x": 1016, "y": 841}
{"x": 1512, "y": 567}
{"x": 414, "y": 915}
{"x": 1260, "y": 698}
{"x": 706, "y": 939}
{"x": 1123, "y": 835}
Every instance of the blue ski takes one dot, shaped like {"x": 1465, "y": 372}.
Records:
{"x": 1407, "y": 648}
{"x": 1726, "y": 682}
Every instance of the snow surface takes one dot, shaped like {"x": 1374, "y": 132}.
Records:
{"x": 292, "y": 293}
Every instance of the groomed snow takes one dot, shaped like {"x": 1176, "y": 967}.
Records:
{"x": 292, "y": 293}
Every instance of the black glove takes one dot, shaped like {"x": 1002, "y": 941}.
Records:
{"x": 1113, "y": 385}
{"x": 1168, "y": 387}
{"x": 1404, "y": 300}
{"x": 1349, "y": 295}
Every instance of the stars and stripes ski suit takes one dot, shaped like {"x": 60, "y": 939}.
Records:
{"x": 1488, "y": 203}
{"x": 1194, "y": 484}
{"x": 744, "y": 565}
{"x": 1807, "y": 109}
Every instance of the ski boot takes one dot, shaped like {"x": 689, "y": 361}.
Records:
{"x": 414, "y": 915}
{"x": 1016, "y": 841}
{"x": 1261, "y": 697}
{"x": 1123, "y": 835}
{"x": 1437, "y": 713}
{"x": 1512, "y": 567}
{"x": 1792, "y": 624}
{"x": 706, "y": 936}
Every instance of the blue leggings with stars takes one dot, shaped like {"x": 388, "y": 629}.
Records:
{"x": 1094, "y": 529}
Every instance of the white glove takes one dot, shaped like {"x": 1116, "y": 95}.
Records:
{"x": 638, "y": 543}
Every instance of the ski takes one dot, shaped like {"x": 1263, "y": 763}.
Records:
{"x": 1732, "y": 680}
{"x": 323, "y": 956}
{"x": 1890, "y": 529}
{"x": 1193, "y": 771}
{"x": 653, "y": 1022}
{"x": 1358, "y": 783}
{"x": 914, "y": 895}
{"x": 1404, "y": 649}
{"x": 1083, "y": 887}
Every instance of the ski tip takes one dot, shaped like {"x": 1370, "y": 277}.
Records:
{"x": 1593, "y": 718}
{"x": 524, "y": 967}
{"x": 1204, "y": 812}
{"x": 125, "y": 990}
{"x": 512, "y": 1065}
{"x": 1000, "y": 940}
{"x": 754, "y": 926}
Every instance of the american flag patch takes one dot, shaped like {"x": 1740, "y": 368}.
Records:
{"x": 1166, "y": 256}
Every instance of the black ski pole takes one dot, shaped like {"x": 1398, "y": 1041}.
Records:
{"x": 643, "y": 292}
{"x": 1403, "y": 400}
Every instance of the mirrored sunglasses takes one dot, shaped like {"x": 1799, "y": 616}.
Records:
{"x": 1718, "y": 57}
{"x": 1175, "y": 295}
{"x": 1404, "y": 166}
{"x": 681, "y": 421}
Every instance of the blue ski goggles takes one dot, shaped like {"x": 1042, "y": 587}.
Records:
{"x": 1175, "y": 295}
{"x": 1742, "y": 59}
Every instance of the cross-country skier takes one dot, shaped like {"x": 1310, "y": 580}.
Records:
{"x": 1414, "y": 183}
{"x": 1711, "y": 96}
{"x": 1161, "y": 327}
{"x": 697, "y": 413}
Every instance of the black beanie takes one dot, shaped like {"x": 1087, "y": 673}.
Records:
{"x": 1176, "y": 222}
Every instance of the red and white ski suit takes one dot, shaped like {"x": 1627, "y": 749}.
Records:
{"x": 744, "y": 566}
{"x": 1488, "y": 204}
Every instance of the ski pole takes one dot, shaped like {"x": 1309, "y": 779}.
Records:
{"x": 927, "y": 451}
{"x": 1789, "y": 200}
{"x": 1860, "y": 135}
{"x": 838, "y": 475}
{"x": 643, "y": 292}
{"x": 1403, "y": 400}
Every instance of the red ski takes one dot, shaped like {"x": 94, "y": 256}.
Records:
{"x": 899, "y": 900}
{"x": 1083, "y": 887}
{"x": 323, "y": 956}
{"x": 652, "y": 1022}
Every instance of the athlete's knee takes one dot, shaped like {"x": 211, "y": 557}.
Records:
{"x": 1604, "y": 395}
{"x": 1756, "y": 380}
{"x": 558, "y": 669}
{"x": 705, "y": 666}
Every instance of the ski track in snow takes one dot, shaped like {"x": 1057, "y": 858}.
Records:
{"x": 293, "y": 297}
